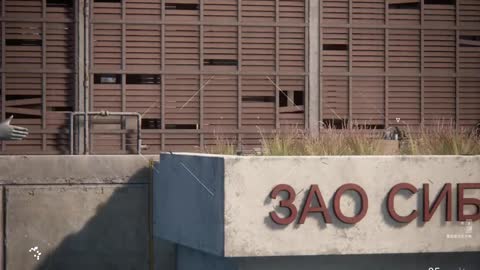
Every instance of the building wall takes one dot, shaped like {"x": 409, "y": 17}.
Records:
{"x": 202, "y": 71}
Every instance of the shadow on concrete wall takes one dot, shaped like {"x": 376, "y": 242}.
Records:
{"x": 116, "y": 237}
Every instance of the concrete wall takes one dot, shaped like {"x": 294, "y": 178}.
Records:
{"x": 81, "y": 212}
{"x": 250, "y": 232}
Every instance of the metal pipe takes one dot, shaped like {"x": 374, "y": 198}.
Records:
{"x": 105, "y": 114}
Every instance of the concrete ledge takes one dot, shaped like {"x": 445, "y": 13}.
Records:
{"x": 74, "y": 169}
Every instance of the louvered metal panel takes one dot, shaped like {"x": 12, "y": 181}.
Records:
{"x": 38, "y": 52}
{"x": 399, "y": 62}
{"x": 223, "y": 67}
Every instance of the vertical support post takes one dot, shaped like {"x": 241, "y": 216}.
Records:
{"x": 44, "y": 75}
{"x": 4, "y": 90}
{"x": 162, "y": 98}
{"x": 306, "y": 83}
{"x": 386, "y": 70}
{"x": 314, "y": 67}
{"x": 239, "y": 77}
{"x": 79, "y": 73}
{"x": 87, "y": 80}
{"x": 319, "y": 57}
{"x": 124, "y": 79}
{"x": 457, "y": 64}
{"x": 201, "y": 78}
{"x": 350, "y": 69}
{"x": 277, "y": 65}
{"x": 422, "y": 67}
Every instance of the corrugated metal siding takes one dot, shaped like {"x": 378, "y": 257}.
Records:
{"x": 38, "y": 72}
{"x": 384, "y": 60}
{"x": 223, "y": 69}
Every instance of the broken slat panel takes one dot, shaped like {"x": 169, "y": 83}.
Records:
{"x": 220, "y": 48}
{"x": 292, "y": 101}
{"x": 469, "y": 52}
{"x": 258, "y": 102}
{"x": 335, "y": 49}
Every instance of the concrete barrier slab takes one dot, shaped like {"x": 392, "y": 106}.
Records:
{"x": 77, "y": 227}
{"x": 237, "y": 220}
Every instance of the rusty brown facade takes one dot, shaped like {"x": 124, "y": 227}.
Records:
{"x": 203, "y": 70}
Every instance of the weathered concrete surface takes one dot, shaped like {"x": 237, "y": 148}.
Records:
{"x": 188, "y": 201}
{"x": 189, "y": 259}
{"x": 249, "y": 231}
{"x": 89, "y": 227}
{"x": 74, "y": 169}
{"x": 89, "y": 223}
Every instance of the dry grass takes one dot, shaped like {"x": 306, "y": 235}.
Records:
{"x": 223, "y": 146}
{"x": 329, "y": 142}
{"x": 437, "y": 140}
{"x": 441, "y": 140}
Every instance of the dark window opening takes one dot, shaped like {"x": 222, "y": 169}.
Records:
{"x": 59, "y": 3}
{"x": 177, "y": 6}
{"x": 258, "y": 99}
{"x": 405, "y": 6}
{"x": 335, "y": 47}
{"x": 23, "y": 116}
{"x": 61, "y": 109}
{"x": 220, "y": 62}
{"x": 181, "y": 126}
{"x": 469, "y": 41}
{"x": 20, "y": 97}
{"x": 439, "y": 2}
{"x": 107, "y": 1}
{"x": 107, "y": 78}
{"x": 23, "y": 42}
{"x": 152, "y": 123}
{"x": 335, "y": 123}
{"x": 143, "y": 79}
{"x": 297, "y": 99}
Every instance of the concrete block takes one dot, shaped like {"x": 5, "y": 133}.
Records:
{"x": 188, "y": 201}
{"x": 242, "y": 186}
{"x": 77, "y": 227}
